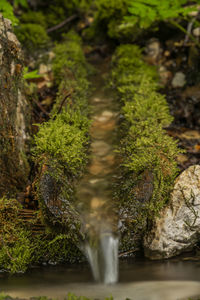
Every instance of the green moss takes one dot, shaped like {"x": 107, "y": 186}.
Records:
{"x": 55, "y": 14}
{"x": 19, "y": 247}
{"x": 6, "y": 9}
{"x": 57, "y": 248}
{"x": 65, "y": 136}
{"x": 15, "y": 246}
{"x": 32, "y": 36}
{"x": 61, "y": 144}
{"x": 60, "y": 153}
{"x": 62, "y": 141}
{"x": 69, "y": 58}
{"x": 148, "y": 154}
{"x": 34, "y": 17}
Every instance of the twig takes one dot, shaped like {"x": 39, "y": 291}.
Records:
{"x": 128, "y": 252}
{"x": 185, "y": 31}
{"x": 60, "y": 25}
{"x": 63, "y": 101}
{"x": 41, "y": 108}
{"x": 189, "y": 30}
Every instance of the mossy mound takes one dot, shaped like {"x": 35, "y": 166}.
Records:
{"x": 15, "y": 246}
{"x": 32, "y": 36}
{"x": 148, "y": 154}
{"x": 61, "y": 144}
{"x": 60, "y": 153}
{"x": 34, "y": 17}
{"x": 21, "y": 246}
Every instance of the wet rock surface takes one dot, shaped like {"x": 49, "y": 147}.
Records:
{"x": 178, "y": 227}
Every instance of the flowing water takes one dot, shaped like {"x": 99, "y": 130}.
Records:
{"x": 94, "y": 192}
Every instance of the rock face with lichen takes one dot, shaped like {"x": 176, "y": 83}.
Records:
{"x": 13, "y": 109}
{"x": 178, "y": 227}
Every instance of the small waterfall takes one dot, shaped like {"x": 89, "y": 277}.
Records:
{"x": 103, "y": 258}
{"x": 95, "y": 199}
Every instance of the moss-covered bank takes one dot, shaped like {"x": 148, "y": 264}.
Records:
{"x": 148, "y": 154}
{"x": 60, "y": 153}
{"x": 61, "y": 143}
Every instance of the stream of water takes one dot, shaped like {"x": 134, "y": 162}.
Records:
{"x": 94, "y": 192}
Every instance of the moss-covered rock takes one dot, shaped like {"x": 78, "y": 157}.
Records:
{"x": 34, "y": 17}
{"x": 21, "y": 246}
{"x": 60, "y": 154}
{"x": 32, "y": 36}
{"x": 148, "y": 166}
{"x": 15, "y": 245}
{"x": 61, "y": 144}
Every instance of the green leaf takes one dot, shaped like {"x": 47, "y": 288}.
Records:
{"x": 150, "y": 11}
{"x": 22, "y": 3}
{"x": 31, "y": 75}
{"x": 7, "y": 11}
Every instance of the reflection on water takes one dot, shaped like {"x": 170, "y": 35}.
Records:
{"x": 138, "y": 280}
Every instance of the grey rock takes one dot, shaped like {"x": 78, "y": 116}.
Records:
{"x": 177, "y": 229}
{"x": 154, "y": 50}
{"x": 178, "y": 80}
{"x": 196, "y": 32}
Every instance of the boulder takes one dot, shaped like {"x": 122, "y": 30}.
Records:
{"x": 14, "y": 113}
{"x": 177, "y": 229}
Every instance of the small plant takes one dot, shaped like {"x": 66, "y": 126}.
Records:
{"x": 146, "y": 12}
{"x": 30, "y": 75}
{"x": 34, "y": 17}
{"x": 7, "y": 9}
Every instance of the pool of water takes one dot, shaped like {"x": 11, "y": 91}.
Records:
{"x": 139, "y": 280}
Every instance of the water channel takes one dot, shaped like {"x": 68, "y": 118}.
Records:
{"x": 94, "y": 192}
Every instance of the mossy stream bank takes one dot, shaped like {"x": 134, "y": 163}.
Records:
{"x": 77, "y": 167}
